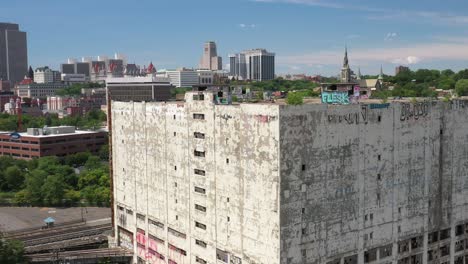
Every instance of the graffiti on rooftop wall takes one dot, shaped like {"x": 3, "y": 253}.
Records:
{"x": 414, "y": 110}
{"x": 335, "y": 97}
{"x": 379, "y": 106}
{"x": 459, "y": 104}
{"x": 351, "y": 118}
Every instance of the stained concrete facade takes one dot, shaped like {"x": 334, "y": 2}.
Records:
{"x": 199, "y": 182}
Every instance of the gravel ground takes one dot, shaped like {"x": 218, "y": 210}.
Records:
{"x": 14, "y": 218}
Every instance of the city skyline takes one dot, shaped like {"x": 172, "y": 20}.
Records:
{"x": 300, "y": 32}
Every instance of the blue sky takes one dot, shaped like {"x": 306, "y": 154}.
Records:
{"x": 308, "y": 36}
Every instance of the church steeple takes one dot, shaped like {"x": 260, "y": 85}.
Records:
{"x": 346, "y": 71}
{"x": 345, "y": 60}
{"x": 381, "y": 74}
{"x": 358, "y": 76}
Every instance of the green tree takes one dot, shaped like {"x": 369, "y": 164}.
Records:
{"x": 294, "y": 99}
{"x": 14, "y": 178}
{"x": 33, "y": 192}
{"x": 53, "y": 189}
{"x": 11, "y": 251}
{"x": 462, "y": 87}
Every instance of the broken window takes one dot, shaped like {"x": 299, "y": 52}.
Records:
{"x": 379, "y": 157}
{"x": 303, "y": 167}
{"x": 386, "y": 251}
{"x": 175, "y": 134}
{"x": 130, "y": 212}
{"x": 416, "y": 242}
{"x": 459, "y": 245}
{"x": 350, "y": 260}
{"x": 444, "y": 234}
{"x": 200, "y": 243}
{"x": 199, "y": 260}
{"x": 222, "y": 255}
{"x": 200, "y": 225}
{"x": 433, "y": 237}
{"x": 370, "y": 255}
{"x": 199, "y": 135}
{"x": 304, "y": 231}
{"x": 199, "y": 153}
{"x": 156, "y": 223}
{"x": 227, "y": 161}
{"x": 444, "y": 250}
{"x": 175, "y": 167}
{"x": 199, "y": 116}
{"x": 176, "y": 233}
{"x": 141, "y": 217}
{"x": 403, "y": 246}
{"x": 200, "y": 190}
{"x": 303, "y": 210}
{"x": 459, "y": 230}
{"x": 199, "y": 172}
{"x": 200, "y": 208}
{"x": 416, "y": 259}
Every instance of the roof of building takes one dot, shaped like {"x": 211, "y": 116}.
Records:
{"x": 368, "y": 83}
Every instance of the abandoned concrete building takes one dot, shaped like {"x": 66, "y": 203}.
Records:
{"x": 207, "y": 181}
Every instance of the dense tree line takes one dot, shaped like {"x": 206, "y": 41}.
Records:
{"x": 421, "y": 83}
{"x": 75, "y": 89}
{"x": 278, "y": 84}
{"x": 52, "y": 181}
{"x": 92, "y": 120}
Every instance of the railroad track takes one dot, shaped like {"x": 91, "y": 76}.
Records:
{"x": 66, "y": 235}
{"x": 68, "y": 244}
{"x": 81, "y": 254}
{"x": 32, "y": 230}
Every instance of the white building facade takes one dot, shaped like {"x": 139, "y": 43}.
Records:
{"x": 182, "y": 77}
{"x": 203, "y": 182}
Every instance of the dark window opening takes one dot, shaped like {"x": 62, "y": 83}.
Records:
{"x": 200, "y": 225}
{"x": 200, "y": 190}
{"x": 199, "y": 172}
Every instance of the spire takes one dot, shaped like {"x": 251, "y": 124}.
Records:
{"x": 381, "y": 73}
{"x": 345, "y": 61}
{"x": 358, "y": 76}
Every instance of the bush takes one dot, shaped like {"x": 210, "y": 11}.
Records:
{"x": 294, "y": 99}
{"x": 462, "y": 87}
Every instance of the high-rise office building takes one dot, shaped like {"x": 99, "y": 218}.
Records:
{"x": 13, "y": 53}
{"x": 256, "y": 65}
{"x": 210, "y": 59}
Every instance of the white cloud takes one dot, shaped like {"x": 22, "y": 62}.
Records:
{"x": 412, "y": 54}
{"x": 247, "y": 26}
{"x": 390, "y": 36}
{"x": 407, "y": 61}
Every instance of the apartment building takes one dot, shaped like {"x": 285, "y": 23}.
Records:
{"x": 207, "y": 181}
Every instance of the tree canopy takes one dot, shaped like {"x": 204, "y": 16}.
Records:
{"x": 56, "y": 181}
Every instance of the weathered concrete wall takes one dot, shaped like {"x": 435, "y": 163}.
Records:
{"x": 155, "y": 179}
{"x": 348, "y": 188}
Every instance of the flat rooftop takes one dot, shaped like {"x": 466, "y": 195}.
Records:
{"x": 77, "y": 132}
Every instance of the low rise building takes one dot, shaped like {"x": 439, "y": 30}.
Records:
{"x": 72, "y": 78}
{"x": 208, "y": 182}
{"x": 50, "y": 141}
{"x": 38, "y": 90}
{"x": 148, "y": 88}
